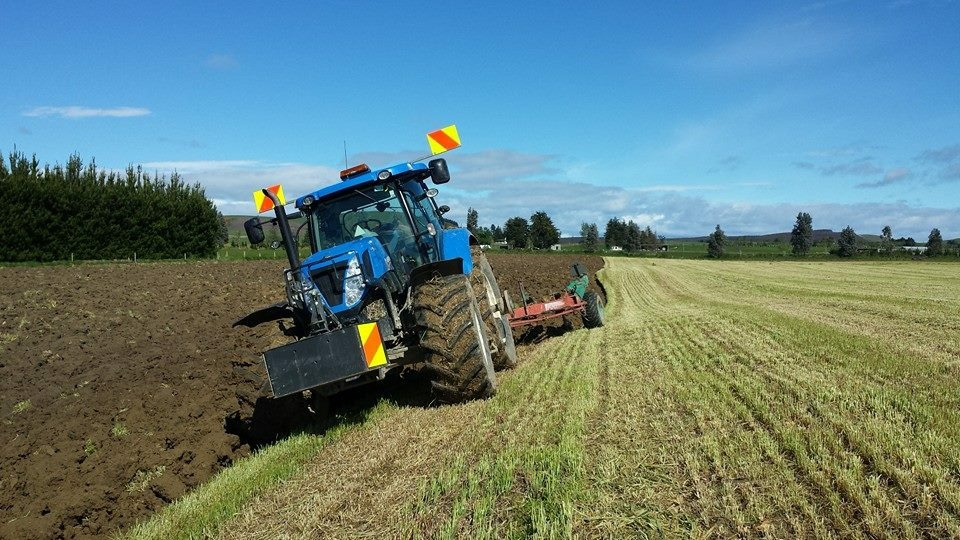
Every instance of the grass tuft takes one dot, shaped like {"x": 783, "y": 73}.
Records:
{"x": 119, "y": 431}
{"x": 143, "y": 478}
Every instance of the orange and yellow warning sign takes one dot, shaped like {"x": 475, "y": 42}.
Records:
{"x": 263, "y": 202}
{"x": 444, "y": 139}
{"x": 372, "y": 344}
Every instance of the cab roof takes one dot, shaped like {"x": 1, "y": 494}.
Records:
{"x": 368, "y": 179}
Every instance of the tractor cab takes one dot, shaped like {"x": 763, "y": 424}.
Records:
{"x": 396, "y": 213}
{"x": 373, "y": 225}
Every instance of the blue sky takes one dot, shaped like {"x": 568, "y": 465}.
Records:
{"x": 740, "y": 114}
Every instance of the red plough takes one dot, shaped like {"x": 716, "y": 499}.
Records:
{"x": 574, "y": 299}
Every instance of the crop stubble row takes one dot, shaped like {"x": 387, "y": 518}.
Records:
{"x": 763, "y": 419}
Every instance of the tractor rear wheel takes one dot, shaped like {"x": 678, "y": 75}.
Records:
{"x": 593, "y": 314}
{"x": 493, "y": 310}
{"x": 454, "y": 340}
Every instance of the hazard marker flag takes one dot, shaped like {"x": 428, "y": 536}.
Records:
{"x": 263, "y": 203}
{"x": 372, "y": 344}
{"x": 444, "y": 139}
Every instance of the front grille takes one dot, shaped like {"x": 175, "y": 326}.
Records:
{"x": 329, "y": 280}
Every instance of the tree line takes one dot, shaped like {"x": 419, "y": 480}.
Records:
{"x": 848, "y": 243}
{"x": 81, "y": 211}
{"x": 628, "y": 236}
{"x": 539, "y": 232}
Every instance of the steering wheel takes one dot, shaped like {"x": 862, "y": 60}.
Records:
{"x": 366, "y": 224}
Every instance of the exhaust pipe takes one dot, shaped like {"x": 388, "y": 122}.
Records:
{"x": 286, "y": 234}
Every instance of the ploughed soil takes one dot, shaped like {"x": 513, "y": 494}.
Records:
{"x": 122, "y": 386}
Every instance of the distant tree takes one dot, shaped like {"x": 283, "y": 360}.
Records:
{"x": 648, "y": 239}
{"x": 801, "y": 238}
{"x": 886, "y": 239}
{"x": 847, "y": 243}
{"x": 497, "y": 232}
{"x": 615, "y": 233}
{"x": 238, "y": 240}
{"x": 484, "y": 236}
{"x": 633, "y": 239}
{"x": 271, "y": 235}
{"x": 934, "y": 243}
{"x": 473, "y": 220}
{"x": 908, "y": 241}
{"x": 517, "y": 232}
{"x": 716, "y": 243}
{"x": 304, "y": 239}
{"x": 590, "y": 237}
{"x": 543, "y": 233}
{"x": 223, "y": 232}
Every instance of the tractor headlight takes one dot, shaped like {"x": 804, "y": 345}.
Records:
{"x": 353, "y": 284}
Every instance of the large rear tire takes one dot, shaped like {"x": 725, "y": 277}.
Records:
{"x": 493, "y": 310}
{"x": 454, "y": 340}
{"x": 594, "y": 314}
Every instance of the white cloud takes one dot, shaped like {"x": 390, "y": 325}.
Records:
{"x": 676, "y": 209}
{"x": 76, "y": 111}
{"x": 502, "y": 184}
{"x": 695, "y": 216}
{"x": 199, "y": 166}
{"x": 891, "y": 177}
{"x": 231, "y": 183}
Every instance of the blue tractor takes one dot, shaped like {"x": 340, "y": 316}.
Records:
{"x": 389, "y": 282}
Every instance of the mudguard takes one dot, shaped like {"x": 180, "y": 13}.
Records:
{"x": 428, "y": 271}
{"x": 455, "y": 244}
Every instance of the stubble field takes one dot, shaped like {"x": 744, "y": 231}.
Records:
{"x": 722, "y": 399}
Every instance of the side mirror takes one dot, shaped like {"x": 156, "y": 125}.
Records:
{"x": 254, "y": 230}
{"x": 443, "y": 209}
{"x": 439, "y": 171}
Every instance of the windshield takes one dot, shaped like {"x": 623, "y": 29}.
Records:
{"x": 373, "y": 212}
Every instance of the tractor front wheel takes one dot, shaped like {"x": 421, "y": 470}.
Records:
{"x": 454, "y": 340}
{"x": 493, "y": 310}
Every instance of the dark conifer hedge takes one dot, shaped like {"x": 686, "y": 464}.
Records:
{"x": 52, "y": 212}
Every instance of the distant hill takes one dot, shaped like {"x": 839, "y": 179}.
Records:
{"x": 235, "y": 224}
{"x": 818, "y": 235}
{"x": 235, "y": 227}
